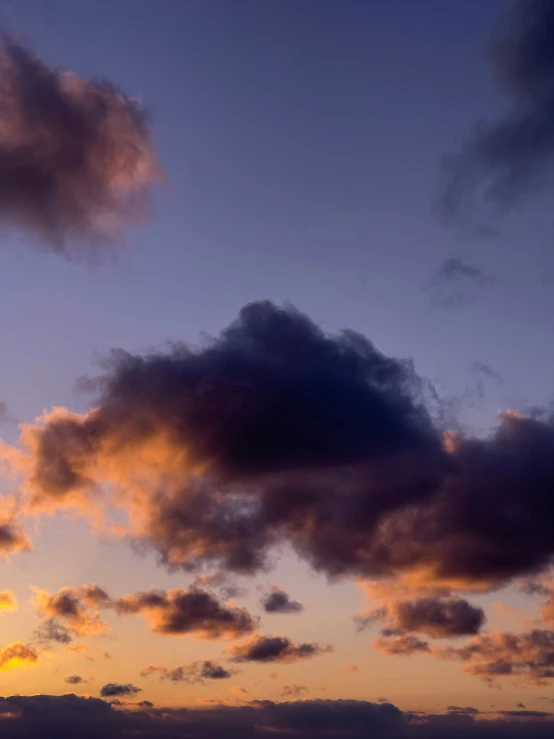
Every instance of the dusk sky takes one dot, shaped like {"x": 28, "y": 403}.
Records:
{"x": 276, "y": 400}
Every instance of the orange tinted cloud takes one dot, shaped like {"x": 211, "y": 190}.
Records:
{"x": 16, "y": 655}
{"x": 8, "y": 601}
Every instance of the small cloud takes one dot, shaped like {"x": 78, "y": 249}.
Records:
{"x": 293, "y": 691}
{"x": 112, "y": 690}
{"x": 74, "y": 680}
{"x": 278, "y": 601}
{"x": 275, "y": 649}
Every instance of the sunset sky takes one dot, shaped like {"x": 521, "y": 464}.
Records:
{"x": 276, "y": 384}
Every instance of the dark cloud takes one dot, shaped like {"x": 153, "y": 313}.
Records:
{"x": 112, "y": 690}
{"x": 463, "y": 709}
{"x": 192, "y": 611}
{"x": 278, "y": 601}
{"x": 507, "y": 159}
{"x": 76, "y": 157}
{"x": 302, "y": 436}
{"x": 195, "y": 672}
{"x": 68, "y": 716}
{"x": 275, "y": 649}
{"x": 529, "y": 655}
{"x": 74, "y": 680}
{"x": 277, "y": 433}
{"x": 439, "y": 617}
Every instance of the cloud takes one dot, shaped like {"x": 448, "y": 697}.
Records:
{"x": 400, "y": 644}
{"x": 439, "y": 617}
{"x": 529, "y": 655}
{"x": 231, "y": 430}
{"x": 192, "y": 611}
{"x": 8, "y": 601}
{"x": 112, "y": 690}
{"x": 195, "y": 672}
{"x": 12, "y": 540}
{"x": 275, "y": 649}
{"x": 77, "y": 609}
{"x": 16, "y": 655}
{"x": 278, "y": 601}
{"x": 214, "y": 458}
{"x": 74, "y": 680}
{"x": 506, "y": 160}
{"x": 293, "y": 691}
{"x": 76, "y": 157}
{"x": 57, "y": 717}
{"x": 436, "y": 614}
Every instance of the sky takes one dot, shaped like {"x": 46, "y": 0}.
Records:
{"x": 275, "y": 392}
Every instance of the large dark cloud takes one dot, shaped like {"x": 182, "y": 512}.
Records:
{"x": 76, "y": 156}
{"x": 68, "y": 716}
{"x": 279, "y": 601}
{"x": 276, "y": 649}
{"x": 277, "y": 432}
{"x": 506, "y": 159}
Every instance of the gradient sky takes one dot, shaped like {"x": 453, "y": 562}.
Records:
{"x": 301, "y": 143}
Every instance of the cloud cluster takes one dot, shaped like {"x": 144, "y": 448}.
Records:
{"x": 275, "y": 649}
{"x": 491, "y": 656}
{"x": 76, "y": 157}
{"x": 505, "y": 160}
{"x": 62, "y": 717}
{"x": 279, "y": 601}
{"x": 195, "y": 672}
{"x": 74, "y": 680}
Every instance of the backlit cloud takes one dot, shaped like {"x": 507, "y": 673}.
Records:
{"x": 275, "y": 649}
{"x": 278, "y": 601}
{"x": 76, "y": 157}
{"x": 195, "y": 672}
{"x": 194, "y": 611}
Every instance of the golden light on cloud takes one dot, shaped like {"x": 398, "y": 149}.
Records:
{"x": 8, "y": 601}
{"x": 16, "y": 655}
